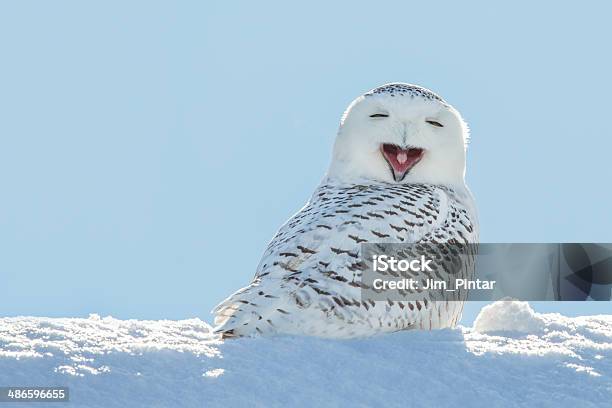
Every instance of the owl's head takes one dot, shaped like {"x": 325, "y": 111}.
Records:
{"x": 400, "y": 133}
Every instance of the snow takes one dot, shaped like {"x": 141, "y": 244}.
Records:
{"x": 512, "y": 357}
{"x": 509, "y": 316}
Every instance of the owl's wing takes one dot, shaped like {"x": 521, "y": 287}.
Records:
{"x": 315, "y": 256}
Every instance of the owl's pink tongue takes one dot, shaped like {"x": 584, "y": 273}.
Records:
{"x": 401, "y": 160}
{"x": 402, "y": 157}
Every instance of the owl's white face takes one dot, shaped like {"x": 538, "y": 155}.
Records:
{"x": 400, "y": 133}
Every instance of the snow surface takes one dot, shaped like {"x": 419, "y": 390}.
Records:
{"x": 509, "y": 316}
{"x": 512, "y": 357}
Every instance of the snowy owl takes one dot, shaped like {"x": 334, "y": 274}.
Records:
{"x": 397, "y": 175}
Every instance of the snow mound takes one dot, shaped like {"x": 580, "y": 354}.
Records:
{"x": 552, "y": 361}
{"x": 508, "y": 316}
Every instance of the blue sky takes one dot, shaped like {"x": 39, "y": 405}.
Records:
{"x": 150, "y": 150}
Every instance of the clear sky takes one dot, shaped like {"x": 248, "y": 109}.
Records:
{"x": 150, "y": 150}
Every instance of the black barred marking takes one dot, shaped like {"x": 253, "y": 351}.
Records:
{"x": 429, "y": 207}
{"x": 357, "y": 266}
{"x": 357, "y": 239}
{"x": 228, "y": 334}
{"x": 344, "y": 251}
{"x": 398, "y": 229}
{"x": 380, "y": 234}
{"x": 306, "y": 250}
{"x": 320, "y": 291}
{"x": 467, "y": 227}
{"x": 286, "y": 267}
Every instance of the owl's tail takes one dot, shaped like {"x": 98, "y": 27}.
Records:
{"x": 245, "y": 313}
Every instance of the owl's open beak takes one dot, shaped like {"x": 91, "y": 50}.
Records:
{"x": 400, "y": 160}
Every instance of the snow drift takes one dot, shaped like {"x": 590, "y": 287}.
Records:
{"x": 512, "y": 357}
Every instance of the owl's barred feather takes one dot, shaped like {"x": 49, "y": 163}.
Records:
{"x": 396, "y": 177}
{"x": 309, "y": 278}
